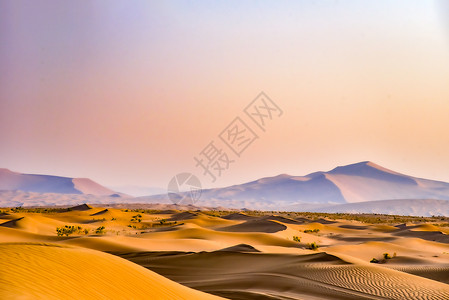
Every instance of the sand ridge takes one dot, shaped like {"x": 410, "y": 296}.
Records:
{"x": 232, "y": 255}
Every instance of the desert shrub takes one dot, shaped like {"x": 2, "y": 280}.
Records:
{"x": 17, "y": 209}
{"x": 100, "y": 230}
{"x": 374, "y": 261}
{"x": 68, "y": 230}
{"x": 297, "y": 239}
{"x": 313, "y": 246}
{"x": 316, "y": 230}
{"x": 387, "y": 256}
{"x": 137, "y": 218}
{"x": 163, "y": 221}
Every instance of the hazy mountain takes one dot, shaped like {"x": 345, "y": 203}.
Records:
{"x": 358, "y": 182}
{"x": 10, "y": 180}
{"x": 137, "y": 191}
{"x": 407, "y": 207}
{"x": 14, "y": 198}
{"x": 358, "y": 188}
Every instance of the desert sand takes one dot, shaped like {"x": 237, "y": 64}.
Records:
{"x": 112, "y": 253}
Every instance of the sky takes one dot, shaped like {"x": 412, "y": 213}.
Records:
{"x": 130, "y": 92}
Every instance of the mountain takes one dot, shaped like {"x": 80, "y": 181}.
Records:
{"x": 14, "y": 198}
{"x": 360, "y": 182}
{"x": 357, "y": 188}
{"x": 137, "y": 191}
{"x": 10, "y": 180}
{"x": 405, "y": 207}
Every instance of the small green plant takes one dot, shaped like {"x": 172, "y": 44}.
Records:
{"x": 387, "y": 256}
{"x": 100, "y": 230}
{"x": 163, "y": 221}
{"x": 374, "y": 261}
{"x": 297, "y": 239}
{"x": 313, "y": 246}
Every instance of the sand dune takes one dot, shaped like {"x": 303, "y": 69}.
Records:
{"x": 101, "y": 212}
{"x": 247, "y": 275}
{"x": 237, "y": 216}
{"x": 47, "y": 271}
{"x": 81, "y": 207}
{"x": 256, "y": 226}
{"x": 250, "y": 255}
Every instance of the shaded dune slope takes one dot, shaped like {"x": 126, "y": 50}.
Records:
{"x": 273, "y": 276}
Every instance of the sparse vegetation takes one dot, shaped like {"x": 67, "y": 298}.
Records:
{"x": 297, "y": 239}
{"x": 313, "y": 246}
{"x": 385, "y": 256}
{"x": 100, "y": 230}
{"x": 316, "y": 230}
{"x": 364, "y": 218}
{"x": 137, "y": 218}
{"x": 69, "y": 229}
{"x": 17, "y": 209}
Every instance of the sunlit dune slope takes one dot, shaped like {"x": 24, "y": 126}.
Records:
{"x": 47, "y": 271}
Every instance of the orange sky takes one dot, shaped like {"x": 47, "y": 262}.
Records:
{"x": 128, "y": 93}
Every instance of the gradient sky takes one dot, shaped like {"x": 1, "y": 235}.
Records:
{"x": 128, "y": 92}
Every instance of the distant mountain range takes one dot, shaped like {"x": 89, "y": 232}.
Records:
{"x": 357, "y": 188}
{"x": 10, "y": 180}
{"x": 405, "y": 207}
{"x": 360, "y": 182}
{"x": 137, "y": 191}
